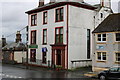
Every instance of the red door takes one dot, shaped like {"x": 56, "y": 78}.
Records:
{"x": 58, "y": 55}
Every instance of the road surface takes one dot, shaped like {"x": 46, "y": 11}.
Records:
{"x": 10, "y": 72}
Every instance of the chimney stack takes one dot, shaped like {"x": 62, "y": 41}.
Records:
{"x": 18, "y": 37}
{"x": 41, "y": 3}
{"x": 105, "y": 3}
{"x": 52, "y": 1}
{"x": 3, "y": 41}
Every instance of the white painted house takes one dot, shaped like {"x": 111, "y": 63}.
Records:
{"x": 60, "y": 33}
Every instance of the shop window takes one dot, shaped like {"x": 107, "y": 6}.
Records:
{"x": 33, "y": 55}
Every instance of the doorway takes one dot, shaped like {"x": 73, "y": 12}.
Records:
{"x": 58, "y": 57}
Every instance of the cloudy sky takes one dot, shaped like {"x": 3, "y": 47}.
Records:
{"x": 13, "y": 17}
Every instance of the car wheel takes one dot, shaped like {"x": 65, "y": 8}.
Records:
{"x": 102, "y": 77}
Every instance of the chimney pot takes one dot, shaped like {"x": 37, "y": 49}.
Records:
{"x": 18, "y": 37}
{"x": 41, "y": 3}
{"x": 52, "y": 1}
{"x": 3, "y": 41}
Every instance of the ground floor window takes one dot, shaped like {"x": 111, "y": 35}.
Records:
{"x": 101, "y": 56}
{"x": 44, "y": 58}
{"x": 118, "y": 57}
{"x": 33, "y": 55}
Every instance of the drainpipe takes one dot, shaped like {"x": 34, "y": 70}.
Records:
{"x": 67, "y": 31}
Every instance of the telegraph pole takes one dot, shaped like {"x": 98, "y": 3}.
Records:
{"x": 27, "y": 47}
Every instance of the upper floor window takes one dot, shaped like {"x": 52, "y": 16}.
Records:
{"x": 117, "y": 36}
{"x": 44, "y": 36}
{"x": 34, "y": 20}
{"x": 59, "y": 35}
{"x": 33, "y": 37}
{"x": 101, "y": 56}
{"x": 45, "y": 17}
{"x": 101, "y": 37}
{"x": 117, "y": 57}
{"x": 59, "y": 14}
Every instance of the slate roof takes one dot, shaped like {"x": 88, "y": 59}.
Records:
{"x": 58, "y": 4}
{"x": 110, "y": 24}
{"x": 15, "y": 46}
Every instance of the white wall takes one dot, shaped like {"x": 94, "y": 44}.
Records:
{"x": 79, "y": 21}
{"x": 18, "y": 55}
{"x": 105, "y": 12}
{"x": 50, "y": 26}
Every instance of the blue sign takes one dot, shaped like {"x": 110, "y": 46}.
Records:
{"x": 100, "y": 47}
{"x": 44, "y": 49}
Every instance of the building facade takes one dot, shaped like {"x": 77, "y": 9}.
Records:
{"x": 60, "y": 33}
{"x": 106, "y": 36}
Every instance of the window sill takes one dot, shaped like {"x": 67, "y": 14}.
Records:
{"x": 101, "y": 42}
{"x": 59, "y": 43}
{"x": 44, "y": 23}
{"x": 117, "y": 62}
{"x": 117, "y": 42}
{"x": 101, "y": 61}
{"x": 33, "y": 25}
{"x": 44, "y": 63}
{"x": 59, "y": 21}
{"x": 44, "y": 44}
{"x": 33, "y": 61}
{"x": 33, "y": 44}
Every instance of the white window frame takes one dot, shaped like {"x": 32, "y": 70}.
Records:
{"x": 116, "y": 37}
{"x": 116, "y": 57}
{"x": 101, "y": 37}
{"x": 101, "y": 56}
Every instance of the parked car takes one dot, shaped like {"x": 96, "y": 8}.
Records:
{"x": 113, "y": 73}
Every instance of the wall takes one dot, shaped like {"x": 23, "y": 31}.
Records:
{"x": 18, "y": 55}
{"x": 105, "y": 11}
{"x": 80, "y": 20}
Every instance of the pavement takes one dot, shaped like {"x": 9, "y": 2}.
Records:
{"x": 91, "y": 74}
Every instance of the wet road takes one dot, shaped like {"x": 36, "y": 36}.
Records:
{"x": 15, "y": 73}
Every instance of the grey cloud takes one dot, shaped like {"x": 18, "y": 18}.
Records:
{"x": 14, "y": 17}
